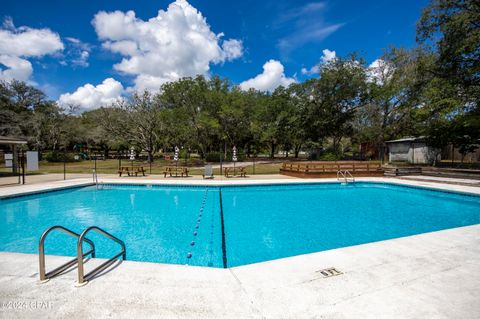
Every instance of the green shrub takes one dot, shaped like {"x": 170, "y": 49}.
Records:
{"x": 56, "y": 156}
{"x": 213, "y": 157}
{"x": 183, "y": 154}
{"x": 329, "y": 157}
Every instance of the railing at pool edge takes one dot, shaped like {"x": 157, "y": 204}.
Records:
{"x": 345, "y": 175}
{"x": 44, "y": 277}
{"x": 83, "y": 279}
{"x": 95, "y": 180}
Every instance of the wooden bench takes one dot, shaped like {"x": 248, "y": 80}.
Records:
{"x": 241, "y": 171}
{"x": 130, "y": 171}
{"x": 183, "y": 171}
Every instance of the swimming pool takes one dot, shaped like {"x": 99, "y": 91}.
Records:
{"x": 233, "y": 225}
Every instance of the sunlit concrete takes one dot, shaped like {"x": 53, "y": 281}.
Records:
{"x": 432, "y": 275}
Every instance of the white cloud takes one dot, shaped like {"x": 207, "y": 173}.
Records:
{"x": 379, "y": 71}
{"x": 303, "y": 24}
{"x": 15, "y": 68}
{"x": 124, "y": 47}
{"x": 77, "y": 53}
{"x": 272, "y": 76}
{"x": 312, "y": 70}
{"x": 176, "y": 43}
{"x": 89, "y": 97}
{"x": 17, "y": 44}
{"x": 328, "y": 56}
{"x": 28, "y": 42}
{"x": 81, "y": 59}
{"x": 232, "y": 49}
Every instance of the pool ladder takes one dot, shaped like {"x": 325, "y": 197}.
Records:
{"x": 345, "y": 176}
{"x": 81, "y": 238}
{"x": 95, "y": 180}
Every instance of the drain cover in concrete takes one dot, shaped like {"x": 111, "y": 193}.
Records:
{"x": 330, "y": 272}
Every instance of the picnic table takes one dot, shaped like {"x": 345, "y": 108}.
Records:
{"x": 241, "y": 171}
{"x": 131, "y": 170}
{"x": 183, "y": 171}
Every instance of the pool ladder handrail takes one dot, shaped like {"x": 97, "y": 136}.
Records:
{"x": 83, "y": 279}
{"x": 95, "y": 179}
{"x": 79, "y": 260}
{"x": 44, "y": 276}
{"x": 345, "y": 175}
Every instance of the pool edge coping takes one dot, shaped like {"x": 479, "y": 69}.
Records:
{"x": 19, "y": 191}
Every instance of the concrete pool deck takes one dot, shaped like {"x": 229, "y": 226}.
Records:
{"x": 431, "y": 275}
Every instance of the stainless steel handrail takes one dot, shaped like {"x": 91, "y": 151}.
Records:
{"x": 95, "y": 180}
{"x": 83, "y": 279}
{"x": 41, "y": 253}
{"x": 345, "y": 174}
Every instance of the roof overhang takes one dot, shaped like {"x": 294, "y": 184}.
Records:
{"x": 408, "y": 139}
{"x": 7, "y": 140}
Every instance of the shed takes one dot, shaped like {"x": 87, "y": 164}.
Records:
{"x": 413, "y": 150}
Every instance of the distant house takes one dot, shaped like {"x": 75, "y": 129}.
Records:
{"x": 412, "y": 150}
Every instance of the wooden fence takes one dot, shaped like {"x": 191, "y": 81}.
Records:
{"x": 330, "y": 169}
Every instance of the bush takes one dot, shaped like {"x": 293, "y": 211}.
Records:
{"x": 213, "y": 157}
{"x": 56, "y": 157}
{"x": 183, "y": 154}
{"x": 329, "y": 157}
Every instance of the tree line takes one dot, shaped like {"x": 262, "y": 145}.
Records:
{"x": 430, "y": 90}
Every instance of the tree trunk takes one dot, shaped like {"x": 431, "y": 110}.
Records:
{"x": 297, "y": 150}
{"x": 106, "y": 151}
{"x": 336, "y": 142}
{"x": 272, "y": 150}
{"x": 150, "y": 155}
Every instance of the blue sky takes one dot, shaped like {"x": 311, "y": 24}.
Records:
{"x": 290, "y": 34}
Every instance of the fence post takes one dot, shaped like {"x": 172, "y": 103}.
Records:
{"x": 22, "y": 159}
{"x": 16, "y": 163}
{"x": 221, "y": 164}
{"x": 65, "y": 163}
{"x": 253, "y": 164}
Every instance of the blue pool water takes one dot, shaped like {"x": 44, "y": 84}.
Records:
{"x": 249, "y": 224}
